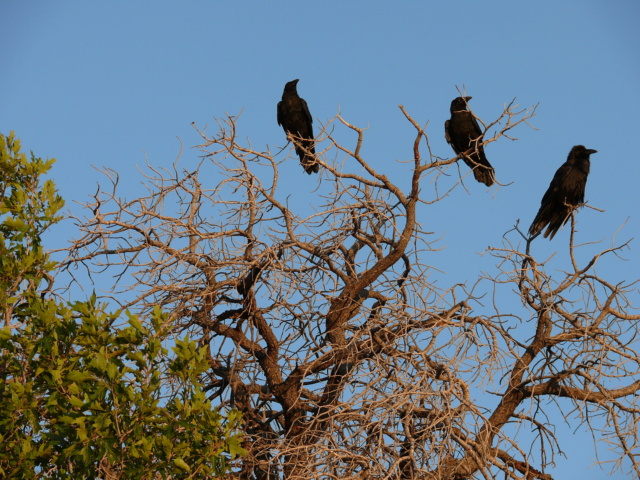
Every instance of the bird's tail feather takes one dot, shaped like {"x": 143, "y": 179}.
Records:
{"x": 484, "y": 175}
{"x": 310, "y": 164}
{"x": 543, "y": 219}
{"x": 308, "y": 160}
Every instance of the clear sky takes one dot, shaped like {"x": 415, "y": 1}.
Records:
{"x": 116, "y": 83}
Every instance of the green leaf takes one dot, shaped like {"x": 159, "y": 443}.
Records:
{"x": 77, "y": 376}
{"x": 5, "y": 334}
{"x": 235, "y": 448}
{"x": 136, "y": 323}
{"x": 181, "y": 463}
{"x": 75, "y": 401}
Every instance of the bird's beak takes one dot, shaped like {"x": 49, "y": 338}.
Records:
{"x": 296, "y": 81}
{"x": 466, "y": 99}
{"x": 590, "y": 151}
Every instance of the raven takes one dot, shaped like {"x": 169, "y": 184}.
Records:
{"x": 294, "y": 116}
{"x": 565, "y": 193}
{"x": 463, "y": 134}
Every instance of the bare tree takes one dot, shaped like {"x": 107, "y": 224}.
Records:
{"x": 325, "y": 331}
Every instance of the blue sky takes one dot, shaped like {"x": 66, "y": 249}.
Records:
{"x": 116, "y": 83}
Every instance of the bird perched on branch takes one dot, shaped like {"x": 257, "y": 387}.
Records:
{"x": 294, "y": 116}
{"x": 464, "y": 135}
{"x": 565, "y": 193}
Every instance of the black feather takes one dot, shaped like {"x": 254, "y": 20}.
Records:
{"x": 464, "y": 134}
{"x": 564, "y": 194}
{"x": 294, "y": 116}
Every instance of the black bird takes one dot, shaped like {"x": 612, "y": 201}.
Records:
{"x": 294, "y": 116}
{"x": 463, "y": 133}
{"x": 564, "y": 194}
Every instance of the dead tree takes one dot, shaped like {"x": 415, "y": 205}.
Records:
{"x": 325, "y": 331}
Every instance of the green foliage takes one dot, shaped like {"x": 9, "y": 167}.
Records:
{"x": 27, "y": 208}
{"x": 82, "y": 396}
{"x": 83, "y": 393}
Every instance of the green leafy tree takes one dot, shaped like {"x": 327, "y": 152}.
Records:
{"x": 85, "y": 393}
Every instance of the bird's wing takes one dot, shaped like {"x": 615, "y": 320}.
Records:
{"x": 280, "y": 112}
{"x": 475, "y": 125}
{"x": 306, "y": 111}
{"x": 550, "y": 193}
{"x": 446, "y": 132}
{"x": 556, "y": 185}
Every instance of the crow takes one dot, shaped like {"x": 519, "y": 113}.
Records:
{"x": 565, "y": 193}
{"x": 463, "y": 134}
{"x": 294, "y": 116}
